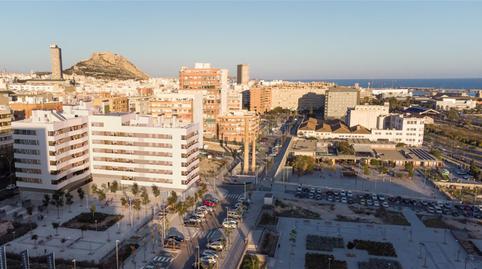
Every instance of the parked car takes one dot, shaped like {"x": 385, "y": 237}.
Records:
{"x": 230, "y": 224}
{"x": 216, "y": 245}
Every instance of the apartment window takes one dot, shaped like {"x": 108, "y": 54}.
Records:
{"x": 28, "y": 161}
{"x": 27, "y": 151}
{"x": 29, "y": 180}
{"x": 24, "y": 132}
{"x": 28, "y": 170}
{"x": 26, "y": 142}
{"x": 97, "y": 124}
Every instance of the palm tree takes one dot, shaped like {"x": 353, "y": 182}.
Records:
{"x": 101, "y": 195}
{"x": 68, "y": 200}
{"x": 135, "y": 189}
{"x": 46, "y": 202}
{"x": 55, "y": 225}
{"x": 137, "y": 206}
{"x": 81, "y": 194}
{"x": 34, "y": 238}
{"x": 93, "y": 209}
{"x": 94, "y": 188}
{"x": 172, "y": 199}
{"x": 114, "y": 186}
{"x": 155, "y": 191}
{"x": 58, "y": 201}
{"x": 189, "y": 202}
{"x": 124, "y": 201}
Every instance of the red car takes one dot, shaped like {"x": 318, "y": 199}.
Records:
{"x": 209, "y": 203}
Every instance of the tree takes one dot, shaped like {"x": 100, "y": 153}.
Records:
{"x": 124, "y": 201}
{"x": 155, "y": 191}
{"x": 181, "y": 209}
{"x": 409, "y": 168}
{"x": 190, "y": 202}
{"x": 135, "y": 189}
{"x": 46, "y": 202}
{"x": 114, "y": 186}
{"x": 453, "y": 115}
{"x": 172, "y": 199}
{"x": 93, "y": 209}
{"x": 58, "y": 201}
{"x": 304, "y": 164}
{"x": 55, "y": 225}
{"x": 68, "y": 200}
{"x": 137, "y": 206}
{"x": 81, "y": 194}
{"x": 366, "y": 170}
{"x": 94, "y": 188}
{"x": 436, "y": 153}
{"x": 34, "y": 238}
{"x": 101, "y": 195}
{"x": 345, "y": 148}
{"x": 145, "y": 197}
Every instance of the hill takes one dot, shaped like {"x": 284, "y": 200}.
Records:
{"x": 107, "y": 65}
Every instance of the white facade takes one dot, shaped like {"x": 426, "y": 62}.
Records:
{"x": 298, "y": 99}
{"x": 389, "y": 92}
{"x": 454, "y": 103}
{"x": 366, "y": 115}
{"x": 144, "y": 150}
{"x": 51, "y": 151}
{"x": 395, "y": 128}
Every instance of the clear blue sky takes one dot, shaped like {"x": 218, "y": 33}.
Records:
{"x": 287, "y": 40}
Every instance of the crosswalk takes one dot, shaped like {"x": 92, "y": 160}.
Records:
{"x": 162, "y": 259}
{"x": 233, "y": 196}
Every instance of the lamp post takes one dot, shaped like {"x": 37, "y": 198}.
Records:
{"x": 329, "y": 263}
{"x": 117, "y": 253}
{"x": 74, "y": 265}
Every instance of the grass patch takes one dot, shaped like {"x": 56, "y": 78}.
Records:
{"x": 434, "y": 222}
{"x": 323, "y": 243}
{"x": 391, "y": 217}
{"x": 322, "y": 261}
{"x": 292, "y": 211}
{"x": 376, "y": 248}
{"x": 88, "y": 221}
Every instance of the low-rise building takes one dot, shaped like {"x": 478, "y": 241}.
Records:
{"x": 366, "y": 115}
{"x": 457, "y": 103}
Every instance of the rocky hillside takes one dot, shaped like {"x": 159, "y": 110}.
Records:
{"x": 107, "y": 65}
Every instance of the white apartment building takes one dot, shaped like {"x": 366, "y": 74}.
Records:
{"x": 51, "y": 151}
{"x": 455, "y": 103}
{"x": 367, "y": 115}
{"x": 400, "y": 129}
{"x": 145, "y": 150}
{"x": 396, "y": 128}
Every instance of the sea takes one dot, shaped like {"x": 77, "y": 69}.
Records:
{"x": 448, "y": 84}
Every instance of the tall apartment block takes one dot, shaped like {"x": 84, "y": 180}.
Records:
{"x": 339, "y": 100}
{"x": 260, "y": 99}
{"x": 56, "y": 61}
{"x": 61, "y": 151}
{"x": 243, "y": 74}
{"x": 144, "y": 150}
{"x": 212, "y": 82}
{"x": 51, "y": 151}
{"x": 231, "y": 126}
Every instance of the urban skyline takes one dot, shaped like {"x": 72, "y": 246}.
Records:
{"x": 309, "y": 40}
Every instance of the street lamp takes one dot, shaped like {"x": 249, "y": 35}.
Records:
{"x": 116, "y": 253}
{"x": 329, "y": 263}
{"x": 74, "y": 264}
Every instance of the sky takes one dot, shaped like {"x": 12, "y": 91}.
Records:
{"x": 278, "y": 39}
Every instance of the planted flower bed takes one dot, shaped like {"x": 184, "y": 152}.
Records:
{"x": 323, "y": 261}
{"x": 97, "y": 221}
{"x": 376, "y": 248}
{"x": 323, "y": 243}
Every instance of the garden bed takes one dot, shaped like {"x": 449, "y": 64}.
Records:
{"x": 323, "y": 243}
{"x": 322, "y": 261}
{"x": 269, "y": 243}
{"x": 88, "y": 221}
{"x": 267, "y": 219}
{"x": 391, "y": 217}
{"x": 434, "y": 222}
{"x": 376, "y": 248}
{"x": 373, "y": 263}
{"x": 292, "y": 211}
{"x": 19, "y": 228}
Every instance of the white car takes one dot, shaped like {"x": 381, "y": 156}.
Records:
{"x": 208, "y": 259}
{"x": 343, "y": 200}
{"x": 216, "y": 245}
{"x": 208, "y": 252}
{"x": 230, "y": 224}
{"x": 385, "y": 204}
{"x": 349, "y": 194}
{"x": 376, "y": 204}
